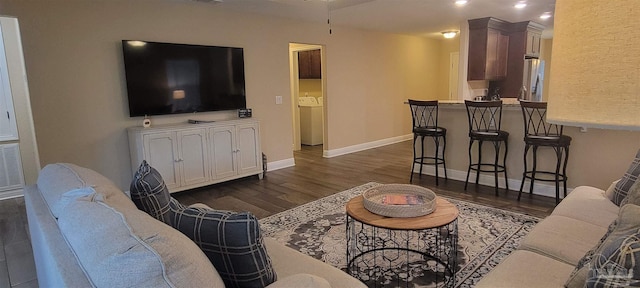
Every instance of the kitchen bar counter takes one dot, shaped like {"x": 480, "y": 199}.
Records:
{"x": 597, "y": 156}
{"x": 506, "y": 103}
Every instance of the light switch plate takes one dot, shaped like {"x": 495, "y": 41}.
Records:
{"x": 278, "y": 99}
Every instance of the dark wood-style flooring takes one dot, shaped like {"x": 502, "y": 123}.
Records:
{"x": 312, "y": 178}
{"x": 315, "y": 177}
{"x": 17, "y": 268}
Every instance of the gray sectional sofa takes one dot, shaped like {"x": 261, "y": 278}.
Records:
{"x": 551, "y": 251}
{"x": 86, "y": 232}
{"x": 591, "y": 239}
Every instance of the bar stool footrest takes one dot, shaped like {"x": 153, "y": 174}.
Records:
{"x": 429, "y": 160}
{"x": 478, "y": 167}
{"x": 528, "y": 175}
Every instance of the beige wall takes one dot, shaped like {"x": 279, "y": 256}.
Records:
{"x": 76, "y": 75}
{"x": 374, "y": 74}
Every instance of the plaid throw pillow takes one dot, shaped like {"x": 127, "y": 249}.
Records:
{"x": 630, "y": 177}
{"x": 579, "y": 275}
{"x": 232, "y": 241}
{"x": 618, "y": 265}
{"x": 150, "y": 194}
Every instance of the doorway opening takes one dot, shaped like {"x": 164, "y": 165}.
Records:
{"x": 308, "y": 105}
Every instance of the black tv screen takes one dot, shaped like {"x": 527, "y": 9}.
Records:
{"x": 165, "y": 78}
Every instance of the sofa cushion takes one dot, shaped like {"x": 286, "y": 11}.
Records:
{"x": 56, "y": 179}
{"x": 524, "y": 268}
{"x": 232, "y": 241}
{"x": 630, "y": 177}
{"x": 127, "y": 248}
{"x": 301, "y": 281}
{"x": 287, "y": 262}
{"x": 561, "y": 238}
{"x": 588, "y": 204}
{"x": 617, "y": 264}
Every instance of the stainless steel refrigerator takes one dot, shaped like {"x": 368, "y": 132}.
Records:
{"x": 532, "y": 80}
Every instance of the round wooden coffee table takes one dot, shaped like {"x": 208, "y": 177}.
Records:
{"x": 420, "y": 250}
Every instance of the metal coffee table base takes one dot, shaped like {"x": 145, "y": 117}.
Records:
{"x": 382, "y": 257}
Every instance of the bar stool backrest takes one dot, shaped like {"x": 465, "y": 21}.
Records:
{"x": 535, "y": 124}
{"x": 424, "y": 114}
{"x": 484, "y": 116}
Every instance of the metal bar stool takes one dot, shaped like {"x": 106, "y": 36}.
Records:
{"x": 539, "y": 133}
{"x": 425, "y": 124}
{"x": 484, "y": 125}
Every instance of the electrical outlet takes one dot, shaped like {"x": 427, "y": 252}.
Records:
{"x": 278, "y": 99}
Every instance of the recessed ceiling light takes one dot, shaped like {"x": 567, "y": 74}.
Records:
{"x": 461, "y": 2}
{"x": 520, "y": 5}
{"x": 545, "y": 15}
{"x": 449, "y": 34}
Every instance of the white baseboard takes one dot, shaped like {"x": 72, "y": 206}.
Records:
{"x": 11, "y": 194}
{"x": 485, "y": 178}
{"x": 280, "y": 164}
{"x": 365, "y": 146}
{"x": 488, "y": 180}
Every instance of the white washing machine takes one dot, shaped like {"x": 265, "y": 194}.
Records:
{"x": 310, "y": 121}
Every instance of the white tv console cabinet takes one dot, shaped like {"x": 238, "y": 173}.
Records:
{"x": 195, "y": 155}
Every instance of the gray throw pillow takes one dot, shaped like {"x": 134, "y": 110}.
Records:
{"x": 124, "y": 247}
{"x": 232, "y": 241}
{"x": 630, "y": 177}
{"x": 634, "y": 195}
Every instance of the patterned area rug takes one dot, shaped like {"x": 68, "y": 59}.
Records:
{"x": 485, "y": 235}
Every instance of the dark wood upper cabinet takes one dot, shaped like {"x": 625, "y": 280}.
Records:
{"x": 502, "y": 55}
{"x": 524, "y": 41}
{"x": 309, "y": 64}
{"x": 497, "y": 50}
{"x": 488, "y": 49}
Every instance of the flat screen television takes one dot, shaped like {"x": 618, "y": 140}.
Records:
{"x": 165, "y": 78}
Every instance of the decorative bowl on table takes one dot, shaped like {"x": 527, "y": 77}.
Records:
{"x": 399, "y": 200}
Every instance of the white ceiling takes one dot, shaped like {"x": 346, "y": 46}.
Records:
{"x": 415, "y": 17}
